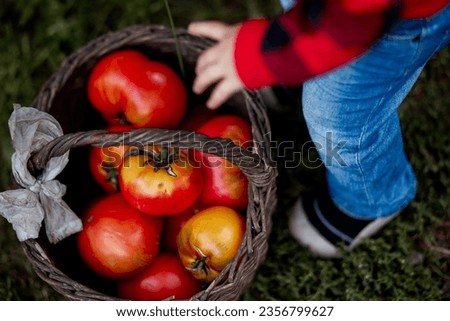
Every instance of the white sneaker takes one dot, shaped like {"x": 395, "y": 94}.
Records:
{"x": 319, "y": 225}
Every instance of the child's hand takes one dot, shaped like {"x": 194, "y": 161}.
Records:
{"x": 216, "y": 64}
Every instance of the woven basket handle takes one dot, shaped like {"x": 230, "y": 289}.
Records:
{"x": 256, "y": 164}
{"x": 251, "y": 164}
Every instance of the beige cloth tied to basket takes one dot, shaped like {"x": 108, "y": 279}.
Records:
{"x": 38, "y": 198}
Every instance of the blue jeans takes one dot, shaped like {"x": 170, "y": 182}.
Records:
{"x": 352, "y": 117}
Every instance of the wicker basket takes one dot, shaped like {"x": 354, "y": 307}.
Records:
{"x": 64, "y": 96}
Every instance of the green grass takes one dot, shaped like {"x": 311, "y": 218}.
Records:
{"x": 406, "y": 261}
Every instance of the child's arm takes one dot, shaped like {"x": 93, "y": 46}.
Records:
{"x": 312, "y": 38}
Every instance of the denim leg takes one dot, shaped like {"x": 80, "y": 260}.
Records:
{"x": 352, "y": 118}
{"x": 287, "y": 4}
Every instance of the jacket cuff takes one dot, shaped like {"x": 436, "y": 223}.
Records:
{"x": 248, "y": 55}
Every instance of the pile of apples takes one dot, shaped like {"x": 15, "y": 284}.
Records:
{"x": 170, "y": 220}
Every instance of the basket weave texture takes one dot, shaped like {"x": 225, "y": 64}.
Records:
{"x": 64, "y": 96}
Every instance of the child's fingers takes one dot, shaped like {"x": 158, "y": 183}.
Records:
{"x": 207, "y": 58}
{"x": 208, "y": 77}
{"x": 212, "y": 29}
{"x": 221, "y": 93}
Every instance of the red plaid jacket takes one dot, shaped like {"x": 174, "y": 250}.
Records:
{"x": 317, "y": 36}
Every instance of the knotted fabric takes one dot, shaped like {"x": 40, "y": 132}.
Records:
{"x": 39, "y": 198}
